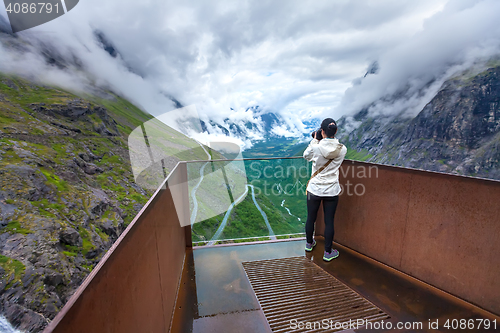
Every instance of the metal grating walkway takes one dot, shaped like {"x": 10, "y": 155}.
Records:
{"x": 293, "y": 290}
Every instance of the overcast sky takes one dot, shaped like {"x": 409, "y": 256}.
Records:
{"x": 301, "y": 59}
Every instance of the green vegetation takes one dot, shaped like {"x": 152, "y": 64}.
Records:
{"x": 44, "y": 203}
{"x": 106, "y": 214}
{"x": 107, "y": 160}
{"x": 12, "y": 267}
{"x": 279, "y": 180}
{"x": 57, "y": 159}
{"x": 53, "y": 179}
{"x": 71, "y": 249}
{"x": 355, "y": 155}
{"x": 14, "y": 227}
{"x": 59, "y": 172}
{"x": 234, "y": 241}
{"x": 125, "y": 113}
{"x": 70, "y": 254}
{"x": 203, "y": 231}
{"x": 468, "y": 76}
{"x": 493, "y": 63}
{"x": 102, "y": 234}
{"x": 28, "y": 93}
{"x": 37, "y": 131}
{"x": 5, "y": 120}
{"x": 60, "y": 149}
{"x": 282, "y": 147}
{"x": 87, "y": 244}
{"x": 279, "y": 191}
{"x": 280, "y": 220}
{"x": 88, "y": 267}
{"x": 245, "y": 220}
{"x": 300, "y": 235}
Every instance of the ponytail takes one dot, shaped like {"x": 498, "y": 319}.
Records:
{"x": 330, "y": 127}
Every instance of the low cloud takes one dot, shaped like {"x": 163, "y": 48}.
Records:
{"x": 294, "y": 58}
{"x": 463, "y": 34}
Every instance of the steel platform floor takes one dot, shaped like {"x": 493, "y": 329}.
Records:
{"x": 216, "y": 296}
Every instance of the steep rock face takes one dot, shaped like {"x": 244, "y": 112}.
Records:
{"x": 66, "y": 192}
{"x": 98, "y": 119}
{"x": 463, "y": 114}
{"x": 64, "y": 173}
{"x": 457, "y": 132}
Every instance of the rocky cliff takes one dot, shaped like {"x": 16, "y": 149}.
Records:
{"x": 67, "y": 192}
{"x": 457, "y": 132}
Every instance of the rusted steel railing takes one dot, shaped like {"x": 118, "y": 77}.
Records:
{"x": 134, "y": 287}
{"x": 439, "y": 228}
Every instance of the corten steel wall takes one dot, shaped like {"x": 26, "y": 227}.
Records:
{"x": 134, "y": 287}
{"x": 441, "y": 229}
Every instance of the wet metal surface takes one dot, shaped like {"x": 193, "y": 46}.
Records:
{"x": 404, "y": 298}
{"x": 210, "y": 300}
{"x": 241, "y": 322}
{"x": 216, "y": 292}
{"x": 221, "y": 283}
{"x": 292, "y": 289}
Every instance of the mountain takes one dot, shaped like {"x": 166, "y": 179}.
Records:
{"x": 260, "y": 126}
{"x": 266, "y": 134}
{"x": 67, "y": 190}
{"x": 457, "y": 132}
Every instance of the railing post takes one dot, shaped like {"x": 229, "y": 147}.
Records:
{"x": 185, "y": 212}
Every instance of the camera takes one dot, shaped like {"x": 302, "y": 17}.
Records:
{"x": 319, "y": 136}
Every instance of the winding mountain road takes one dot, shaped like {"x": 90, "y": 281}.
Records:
{"x": 195, "y": 188}
{"x": 219, "y": 231}
{"x": 193, "y": 194}
{"x": 271, "y": 232}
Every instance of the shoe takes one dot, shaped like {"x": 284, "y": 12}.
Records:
{"x": 309, "y": 246}
{"x": 330, "y": 256}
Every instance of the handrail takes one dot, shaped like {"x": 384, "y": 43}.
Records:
{"x": 149, "y": 254}
{"x": 433, "y": 226}
{"x": 154, "y": 241}
{"x": 348, "y": 160}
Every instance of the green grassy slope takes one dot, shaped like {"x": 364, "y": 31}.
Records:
{"x": 66, "y": 175}
{"x": 279, "y": 191}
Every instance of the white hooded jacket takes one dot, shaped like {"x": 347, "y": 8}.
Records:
{"x": 326, "y": 183}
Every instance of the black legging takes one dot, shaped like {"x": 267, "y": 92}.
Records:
{"x": 329, "y": 208}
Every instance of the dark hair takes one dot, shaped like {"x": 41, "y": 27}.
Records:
{"x": 329, "y": 126}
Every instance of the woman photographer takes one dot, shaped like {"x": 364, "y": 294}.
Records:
{"x": 326, "y": 154}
